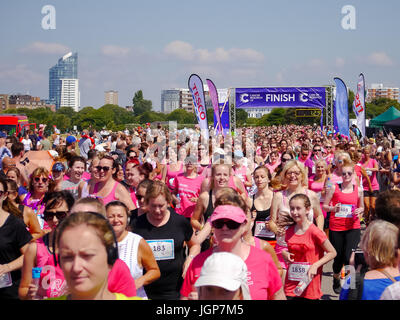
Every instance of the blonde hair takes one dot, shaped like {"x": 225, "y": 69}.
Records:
{"x": 342, "y": 154}
{"x": 295, "y": 163}
{"x": 214, "y": 168}
{"x": 380, "y": 244}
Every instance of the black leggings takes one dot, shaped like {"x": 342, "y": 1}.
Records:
{"x": 343, "y": 242}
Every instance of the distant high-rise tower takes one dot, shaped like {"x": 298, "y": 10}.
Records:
{"x": 63, "y": 82}
{"x": 111, "y": 97}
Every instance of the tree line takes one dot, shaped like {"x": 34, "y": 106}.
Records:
{"x": 115, "y": 118}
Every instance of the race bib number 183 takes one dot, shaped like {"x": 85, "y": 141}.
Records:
{"x": 163, "y": 249}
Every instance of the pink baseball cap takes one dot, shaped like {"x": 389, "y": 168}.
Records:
{"x": 229, "y": 212}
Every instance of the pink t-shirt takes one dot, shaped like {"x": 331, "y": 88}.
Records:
{"x": 307, "y": 249}
{"x": 262, "y": 277}
{"x": 371, "y": 174}
{"x": 241, "y": 173}
{"x": 120, "y": 279}
{"x": 171, "y": 175}
{"x": 187, "y": 189}
{"x": 272, "y": 167}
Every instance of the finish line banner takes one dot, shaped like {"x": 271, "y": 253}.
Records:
{"x": 291, "y": 97}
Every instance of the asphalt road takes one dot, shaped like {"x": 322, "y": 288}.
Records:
{"x": 326, "y": 283}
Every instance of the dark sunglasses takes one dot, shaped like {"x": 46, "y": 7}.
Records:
{"x": 37, "y": 179}
{"x": 316, "y": 150}
{"x": 99, "y": 168}
{"x": 232, "y": 225}
{"x": 47, "y": 215}
{"x": 139, "y": 197}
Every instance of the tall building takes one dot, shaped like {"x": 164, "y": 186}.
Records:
{"x": 111, "y": 97}
{"x": 70, "y": 96}
{"x": 66, "y": 68}
{"x": 181, "y": 98}
{"x": 377, "y": 90}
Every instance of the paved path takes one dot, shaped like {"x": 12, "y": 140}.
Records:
{"x": 328, "y": 293}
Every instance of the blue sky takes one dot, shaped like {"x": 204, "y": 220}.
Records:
{"x": 130, "y": 45}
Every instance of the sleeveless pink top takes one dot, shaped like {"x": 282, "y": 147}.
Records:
{"x": 52, "y": 282}
{"x": 110, "y": 197}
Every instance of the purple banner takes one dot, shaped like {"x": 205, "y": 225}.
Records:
{"x": 288, "y": 97}
{"x": 224, "y": 117}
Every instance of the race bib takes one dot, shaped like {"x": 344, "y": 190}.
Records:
{"x": 345, "y": 211}
{"x": 163, "y": 249}
{"x": 298, "y": 271}
{"x": 261, "y": 231}
{"x": 5, "y": 280}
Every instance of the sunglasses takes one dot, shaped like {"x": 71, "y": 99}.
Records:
{"x": 230, "y": 224}
{"x": 284, "y": 160}
{"x": 47, "y": 215}
{"x": 139, "y": 197}
{"x": 316, "y": 150}
{"x": 347, "y": 173}
{"x": 38, "y": 179}
{"x": 99, "y": 168}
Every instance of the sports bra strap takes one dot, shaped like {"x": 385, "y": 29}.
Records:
{"x": 387, "y": 275}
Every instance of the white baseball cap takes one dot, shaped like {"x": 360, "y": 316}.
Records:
{"x": 225, "y": 270}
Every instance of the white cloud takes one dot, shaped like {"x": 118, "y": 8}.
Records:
{"x": 315, "y": 63}
{"x": 339, "y": 62}
{"x": 20, "y": 74}
{"x": 114, "y": 51}
{"x": 45, "y": 47}
{"x": 380, "y": 59}
{"x": 185, "y": 51}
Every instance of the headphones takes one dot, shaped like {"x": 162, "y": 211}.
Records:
{"x": 112, "y": 250}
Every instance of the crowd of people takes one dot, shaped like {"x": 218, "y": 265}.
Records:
{"x": 166, "y": 214}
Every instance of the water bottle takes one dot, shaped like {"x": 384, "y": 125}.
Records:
{"x": 178, "y": 203}
{"x": 36, "y": 278}
{"x": 303, "y": 284}
{"x": 329, "y": 184}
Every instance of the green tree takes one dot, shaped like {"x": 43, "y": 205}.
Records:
{"x": 379, "y": 106}
{"x": 151, "y": 116}
{"x": 241, "y": 116}
{"x": 350, "y": 100}
{"x": 275, "y": 117}
{"x": 140, "y": 105}
{"x": 181, "y": 116}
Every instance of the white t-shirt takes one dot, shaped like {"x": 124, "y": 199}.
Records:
{"x": 27, "y": 144}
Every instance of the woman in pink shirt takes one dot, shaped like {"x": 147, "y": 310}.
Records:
{"x": 187, "y": 185}
{"x": 308, "y": 250}
{"x": 229, "y": 224}
{"x": 371, "y": 167}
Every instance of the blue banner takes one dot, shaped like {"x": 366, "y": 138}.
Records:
{"x": 290, "y": 97}
{"x": 341, "y": 108}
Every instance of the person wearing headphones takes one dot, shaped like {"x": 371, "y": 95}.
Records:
{"x": 87, "y": 250}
